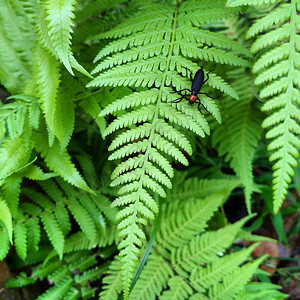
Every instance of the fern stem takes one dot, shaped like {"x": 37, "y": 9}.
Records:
{"x": 89, "y": 95}
{"x": 148, "y": 249}
{"x": 155, "y": 117}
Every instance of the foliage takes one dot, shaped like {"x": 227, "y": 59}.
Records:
{"x": 188, "y": 262}
{"x": 150, "y": 120}
{"x": 79, "y": 79}
{"x": 279, "y": 73}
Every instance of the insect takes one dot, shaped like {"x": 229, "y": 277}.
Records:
{"x": 197, "y": 83}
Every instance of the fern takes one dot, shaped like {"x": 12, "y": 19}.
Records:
{"x": 14, "y": 156}
{"x": 59, "y": 15}
{"x": 249, "y": 2}
{"x": 52, "y": 212}
{"x": 16, "y": 38}
{"x": 239, "y": 134}
{"x": 194, "y": 187}
{"x": 196, "y": 265}
{"x": 5, "y": 217}
{"x": 155, "y": 59}
{"x": 279, "y": 76}
{"x": 69, "y": 277}
{"x": 260, "y": 290}
{"x": 56, "y": 217}
{"x": 113, "y": 283}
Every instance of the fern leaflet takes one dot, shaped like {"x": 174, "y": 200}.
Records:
{"x": 280, "y": 75}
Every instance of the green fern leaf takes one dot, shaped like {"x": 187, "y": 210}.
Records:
{"x": 11, "y": 192}
{"x": 238, "y": 137}
{"x": 14, "y": 155}
{"x": 234, "y": 282}
{"x": 112, "y": 282}
{"x": 279, "y": 76}
{"x": 204, "y": 248}
{"x": 54, "y": 232}
{"x": 35, "y": 173}
{"x": 275, "y": 17}
{"x": 17, "y": 39}
{"x": 174, "y": 231}
{"x": 5, "y": 217}
{"x": 33, "y": 233}
{"x": 4, "y": 243}
{"x": 248, "y": 2}
{"x": 150, "y": 50}
{"x": 48, "y": 79}
{"x": 179, "y": 289}
{"x": 59, "y": 17}
{"x": 65, "y": 114}
{"x": 195, "y": 188}
{"x": 60, "y": 162}
{"x": 197, "y": 273}
{"x": 57, "y": 291}
{"x": 34, "y": 114}
{"x": 205, "y": 277}
{"x": 158, "y": 271}
{"x": 83, "y": 219}
{"x": 261, "y": 291}
{"x": 20, "y": 239}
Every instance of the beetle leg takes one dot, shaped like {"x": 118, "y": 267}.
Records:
{"x": 206, "y": 95}
{"x": 207, "y": 77}
{"x": 183, "y": 90}
{"x": 191, "y": 74}
{"x": 176, "y": 100}
{"x": 200, "y": 103}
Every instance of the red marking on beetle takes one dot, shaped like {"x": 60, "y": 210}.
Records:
{"x": 192, "y": 98}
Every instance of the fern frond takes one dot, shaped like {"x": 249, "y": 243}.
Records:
{"x": 67, "y": 285}
{"x": 48, "y": 79}
{"x": 4, "y": 243}
{"x": 11, "y": 190}
{"x": 159, "y": 271}
{"x": 261, "y": 291}
{"x": 15, "y": 116}
{"x": 83, "y": 219}
{"x": 240, "y": 133}
{"x": 5, "y": 217}
{"x": 60, "y": 162}
{"x": 195, "y": 188}
{"x": 234, "y": 281}
{"x": 179, "y": 289}
{"x": 177, "y": 229}
{"x": 194, "y": 274}
{"x": 249, "y": 2}
{"x": 20, "y": 239}
{"x": 204, "y": 277}
{"x": 52, "y": 210}
{"x": 33, "y": 234}
{"x": 14, "y": 155}
{"x": 279, "y": 75}
{"x": 277, "y": 16}
{"x": 16, "y": 38}
{"x": 151, "y": 50}
{"x": 204, "y": 248}
{"x": 59, "y": 15}
{"x": 112, "y": 283}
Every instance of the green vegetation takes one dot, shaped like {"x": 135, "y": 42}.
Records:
{"x": 108, "y": 189}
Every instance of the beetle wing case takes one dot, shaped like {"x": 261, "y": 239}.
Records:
{"x": 198, "y": 81}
